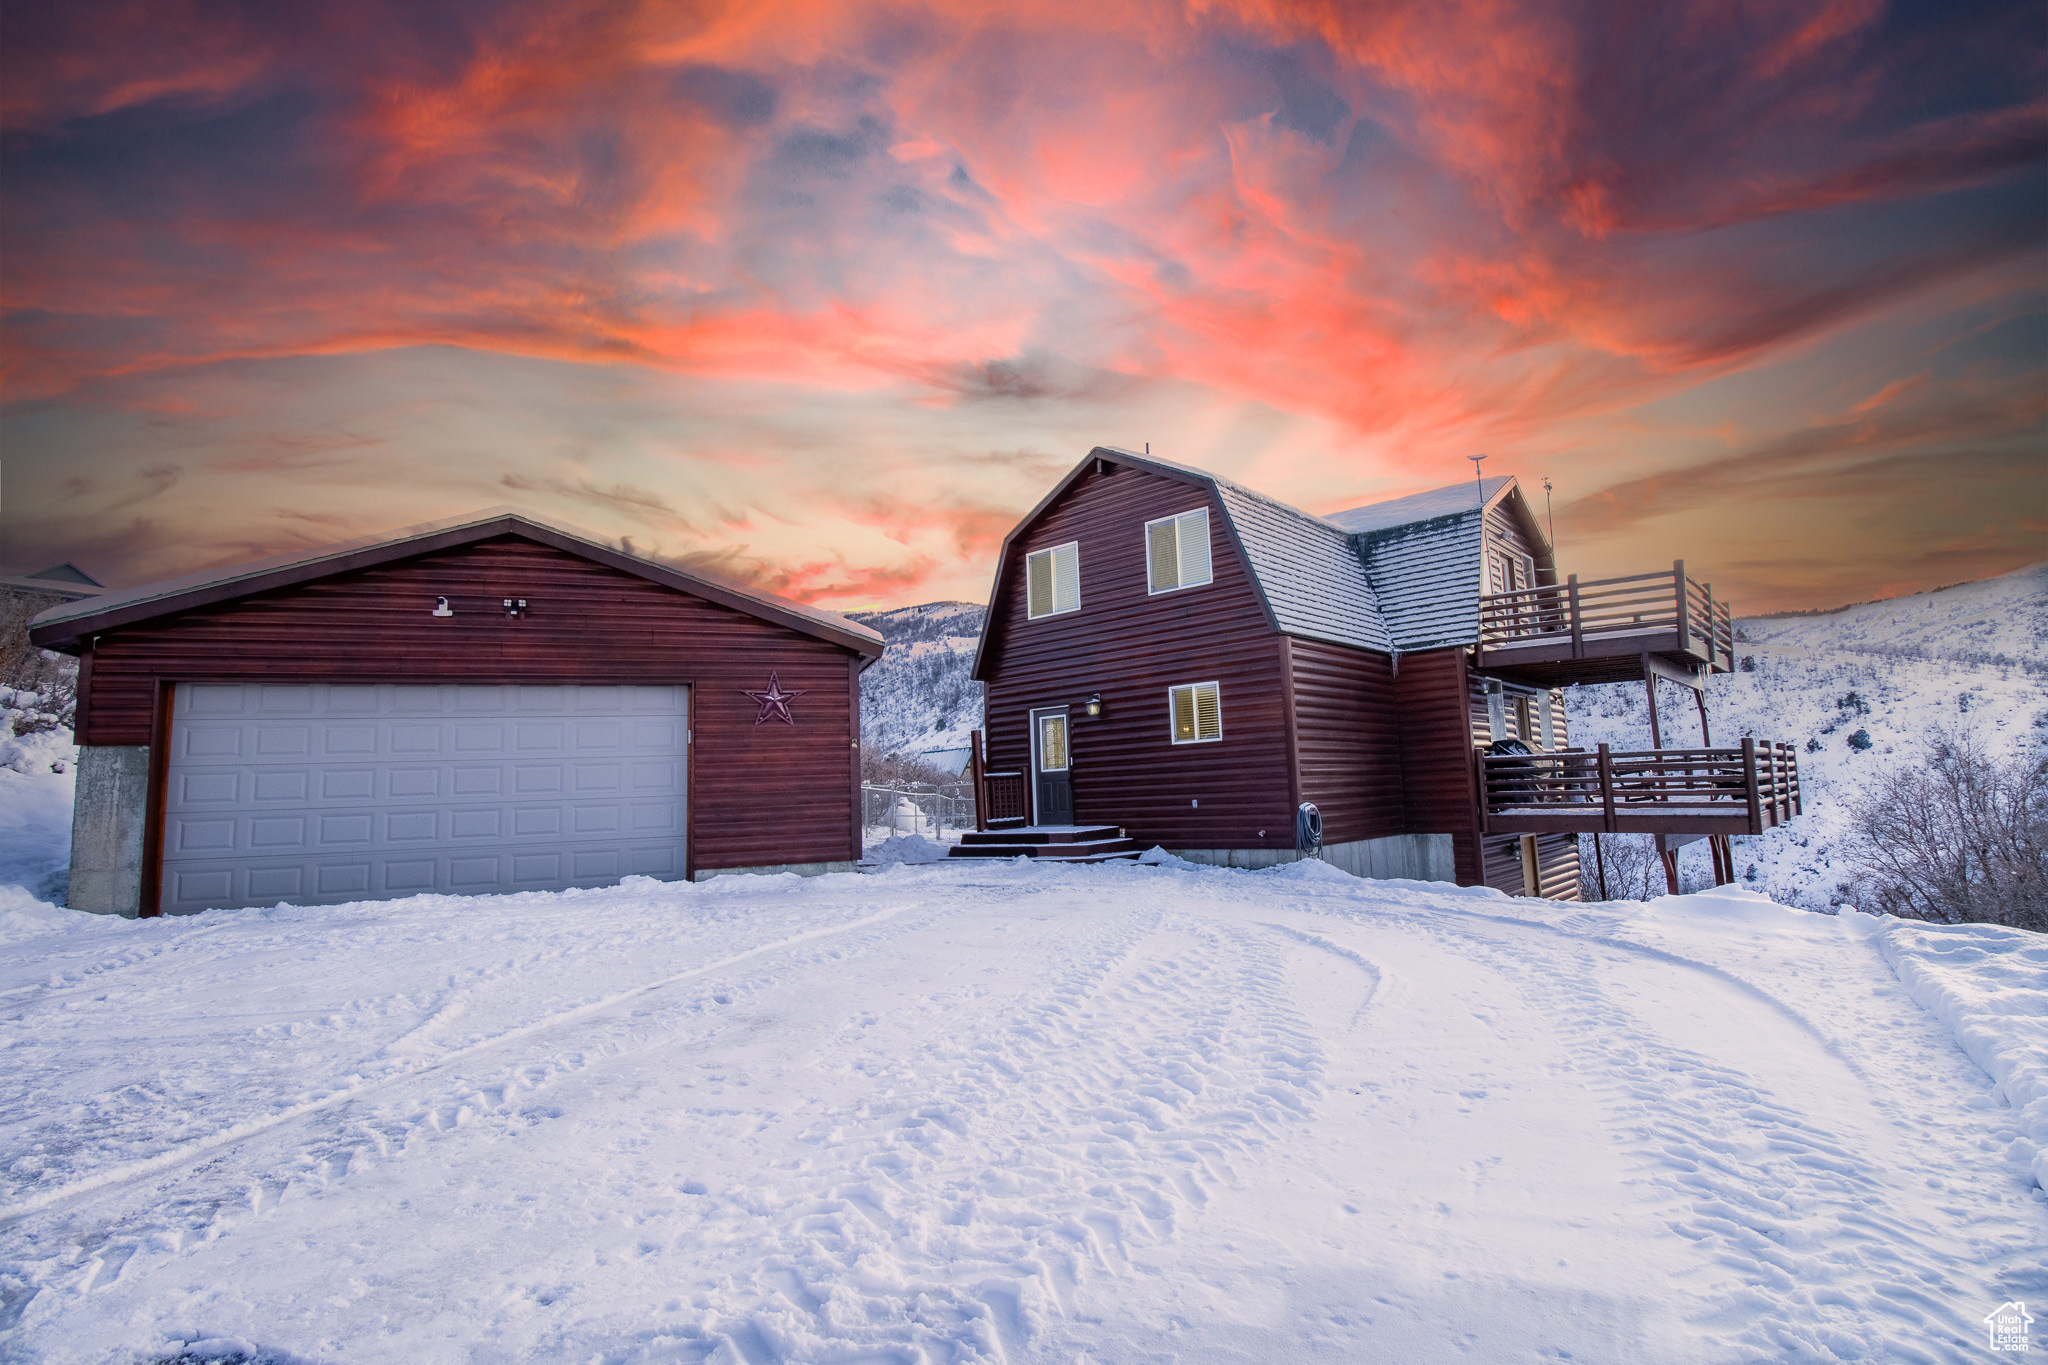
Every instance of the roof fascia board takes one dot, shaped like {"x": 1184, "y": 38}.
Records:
{"x": 68, "y": 632}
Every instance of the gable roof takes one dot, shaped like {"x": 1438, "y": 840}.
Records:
{"x": 1422, "y": 553}
{"x": 66, "y": 627}
{"x": 1437, "y": 502}
{"x": 67, "y": 572}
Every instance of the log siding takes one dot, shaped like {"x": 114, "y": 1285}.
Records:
{"x": 1347, "y": 740}
{"x": 758, "y": 794}
{"x": 1131, "y": 646}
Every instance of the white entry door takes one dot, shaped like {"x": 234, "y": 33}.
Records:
{"x": 321, "y": 793}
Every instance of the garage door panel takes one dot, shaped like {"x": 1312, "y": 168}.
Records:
{"x": 349, "y": 740}
{"x": 257, "y": 813}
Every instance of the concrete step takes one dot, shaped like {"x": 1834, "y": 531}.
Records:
{"x": 1089, "y": 850}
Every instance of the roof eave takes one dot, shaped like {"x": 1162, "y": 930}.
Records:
{"x": 69, "y": 633}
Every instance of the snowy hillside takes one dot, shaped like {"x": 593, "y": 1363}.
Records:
{"x": 1857, "y": 691}
{"x": 919, "y": 695}
{"x": 1019, "y": 1114}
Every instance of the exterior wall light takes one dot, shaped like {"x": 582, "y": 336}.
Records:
{"x": 441, "y": 607}
{"x": 515, "y": 606}
{"x": 1094, "y": 704}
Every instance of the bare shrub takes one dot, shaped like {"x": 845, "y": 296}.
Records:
{"x": 1959, "y": 839}
{"x": 45, "y": 684}
{"x": 1635, "y": 872}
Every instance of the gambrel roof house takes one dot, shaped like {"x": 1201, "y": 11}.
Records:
{"x": 1172, "y": 658}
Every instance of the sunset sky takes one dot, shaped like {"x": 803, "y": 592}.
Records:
{"x": 825, "y": 296}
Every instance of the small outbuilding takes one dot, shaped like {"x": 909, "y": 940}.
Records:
{"x": 492, "y": 704}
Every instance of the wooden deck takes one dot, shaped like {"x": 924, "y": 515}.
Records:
{"x": 1744, "y": 790}
{"x": 1600, "y": 631}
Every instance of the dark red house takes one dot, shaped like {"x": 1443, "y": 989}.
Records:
{"x": 492, "y": 704}
{"x": 1173, "y": 659}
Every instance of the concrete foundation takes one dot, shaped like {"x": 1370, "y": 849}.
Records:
{"x": 107, "y": 819}
{"x": 1416, "y": 857}
{"x": 705, "y": 874}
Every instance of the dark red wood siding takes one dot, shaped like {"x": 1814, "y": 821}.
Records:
{"x": 1348, "y": 744}
{"x": 1438, "y": 782}
{"x": 759, "y": 794}
{"x": 1131, "y": 648}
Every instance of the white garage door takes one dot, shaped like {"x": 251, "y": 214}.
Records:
{"x": 318, "y": 793}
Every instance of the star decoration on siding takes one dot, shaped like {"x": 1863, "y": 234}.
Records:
{"x": 775, "y": 702}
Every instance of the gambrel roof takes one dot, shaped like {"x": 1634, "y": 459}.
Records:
{"x": 67, "y": 627}
{"x": 1400, "y": 575}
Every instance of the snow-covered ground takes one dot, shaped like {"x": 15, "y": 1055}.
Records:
{"x": 1127, "y": 1113}
{"x": 1971, "y": 659}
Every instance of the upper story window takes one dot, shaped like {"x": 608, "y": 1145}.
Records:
{"x": 1177, "y": 551}
{"x": 1052, "y": 581}
{"x": 1197, "y": 712}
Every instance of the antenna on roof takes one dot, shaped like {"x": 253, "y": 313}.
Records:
{"x": 1546, "y": 510}
{"x": 1148, "y": 447}
{"x": 1478, "y": 482}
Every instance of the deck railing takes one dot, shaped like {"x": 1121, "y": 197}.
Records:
{"x": 1609, "y": 615}
{"x": 1006, "y": 804}
{"x": 1707, "y": 791}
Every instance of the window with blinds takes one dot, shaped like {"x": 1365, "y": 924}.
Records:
{"x": 1052, "y": 581}
{"x": 1177, "y": 551}
{"x": 1197, "y": 712}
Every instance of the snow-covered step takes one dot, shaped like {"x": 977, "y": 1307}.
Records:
{"x": 1058, "y": 843}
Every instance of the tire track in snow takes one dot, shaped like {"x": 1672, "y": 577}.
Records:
{"x": 1827, "y": 1263}
{"x": 193, "y": 1151}
{"x": 1071, "y": 1137}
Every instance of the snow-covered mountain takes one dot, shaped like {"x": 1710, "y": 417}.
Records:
{"x": 1971, "y": 658}
{"x": 1859, "y": 690}
{"x": 918, "y": 696}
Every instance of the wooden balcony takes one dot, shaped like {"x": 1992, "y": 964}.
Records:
{"x": 1745, "y": 790}
{"x": 1600, "y": 631}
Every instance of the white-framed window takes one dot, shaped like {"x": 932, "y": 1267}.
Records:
{"x": 1052, "y": 581}
{"x": 1177, "y": 551}
{"x": 1197, "y": 712}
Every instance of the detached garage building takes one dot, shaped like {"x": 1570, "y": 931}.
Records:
{"x": 487, "y": 705}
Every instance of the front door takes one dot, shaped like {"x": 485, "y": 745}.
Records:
{"x": 1051, "y": 788}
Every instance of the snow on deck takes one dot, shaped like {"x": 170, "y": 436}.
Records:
{"x": 1012, "y": 1113}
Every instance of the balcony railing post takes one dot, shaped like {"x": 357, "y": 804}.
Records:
{"x": 1578, "y": 625}
{"x": 1684, "y": 605}
{"x": 1713, "y": 647}
{"x": 1607, "y": 789}
{"x": 1756, "y": 814}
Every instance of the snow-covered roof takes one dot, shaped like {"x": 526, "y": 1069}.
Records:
{"x": 65, "y": 625}
{"x": 1397, "y": 575}
{"x": 1437, "y": 502}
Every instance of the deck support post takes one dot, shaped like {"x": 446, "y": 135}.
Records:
{"x": 1670, "y": 858}
{"x": 1607, "y": 788}
{"x": 1600, "y": 865}
{"x": 1699, "y": 696}
{"x": 1650, "y": 686}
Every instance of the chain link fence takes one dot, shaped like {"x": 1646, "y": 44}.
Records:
{"x": 938, "y": 811}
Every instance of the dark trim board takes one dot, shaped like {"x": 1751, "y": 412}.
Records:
{"x": 150, "y": 902}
